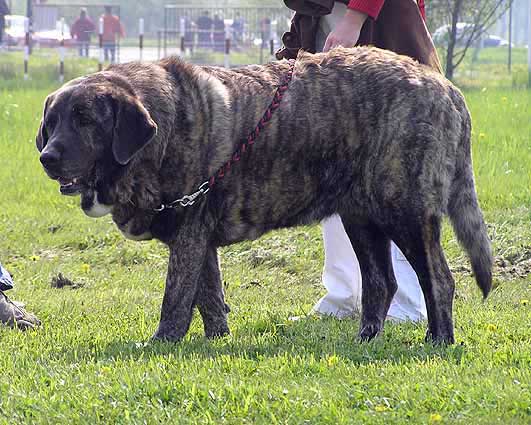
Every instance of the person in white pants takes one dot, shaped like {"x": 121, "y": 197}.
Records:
{"x": 341, "y": 274}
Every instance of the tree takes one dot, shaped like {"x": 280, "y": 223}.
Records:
{"x": 465, "y": 24}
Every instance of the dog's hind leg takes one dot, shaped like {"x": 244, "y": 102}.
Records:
{"x": 210, "y": 298}
{"x": 420, "y": 242}
{"x": 373, "y": 249}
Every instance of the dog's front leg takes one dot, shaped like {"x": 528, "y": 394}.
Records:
{"x": 210, "y": 297}
{"x": 187, "y": 255}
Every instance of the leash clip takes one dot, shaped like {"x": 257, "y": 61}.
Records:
{"x": 186, "y": 200}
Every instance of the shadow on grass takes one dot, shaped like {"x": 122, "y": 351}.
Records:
{"x": 315, "y": 338}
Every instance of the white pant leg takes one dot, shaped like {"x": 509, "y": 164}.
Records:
{"x": 408, "y": 302}
{"x": 341, "y": 274}
{"x": 342, "y": 279}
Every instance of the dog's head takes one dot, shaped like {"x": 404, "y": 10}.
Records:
{"x": 91, "y": 130}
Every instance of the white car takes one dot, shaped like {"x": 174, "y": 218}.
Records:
{"x": 14, "y": 30}
{"x": 53, "y": 37}
{"x": 464, "y": 29}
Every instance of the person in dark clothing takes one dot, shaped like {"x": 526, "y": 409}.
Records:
{"x": 204, "y": 28}
{"x": 219, "y": 34}
{"x": 81, "y": 31}
{"x": 237, "y": 28}
{"x": 4, "y": 10}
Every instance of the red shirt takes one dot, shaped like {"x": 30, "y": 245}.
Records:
{"x": 111, "y": 28}
{"x": 82, "y": 29}
{"x": 373, "y": 7}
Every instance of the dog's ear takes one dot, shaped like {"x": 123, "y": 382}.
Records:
{"x": 133, "y": 128}
{"x": 42, "y": 135}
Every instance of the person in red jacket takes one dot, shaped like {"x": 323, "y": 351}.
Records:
{"x": 112, "y": 31}
{"x": 81, "y": 32}
{"x": 341, "y": 274}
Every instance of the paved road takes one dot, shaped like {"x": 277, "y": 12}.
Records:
{"x": 128, "y": 54}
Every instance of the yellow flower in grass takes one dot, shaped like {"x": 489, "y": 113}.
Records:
{"x": 35, "y": 258}
{"x": 524, "y": 302}
{"x": 504, "y": 99}
{"x": 435, "y": 417}
{"x": 332, "y": 360}
{"x": 380, "y": 408}
{"x": 492, "y": 327}
{"x": 482, "y": 135}
{"x": 85, "y": 268}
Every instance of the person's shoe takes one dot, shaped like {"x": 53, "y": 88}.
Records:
{"x": 15, "y": 316}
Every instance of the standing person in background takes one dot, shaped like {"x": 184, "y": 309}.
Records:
{"x": 219, "y": 34}
{"x": 81, "y": 31}
{"x": 4, "y": 10}
{"x": 237, "y": 29}
{"x": 265, "y": 31}
{"x": 204, "y": 29}
{"x": 397, "y": 25}
{"x": 112, "y": 31}
{"x": 12, "y": 313}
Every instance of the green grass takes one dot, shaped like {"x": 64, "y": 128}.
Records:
{"x": 489, "y": 69}
{"x": 91, "y": 361}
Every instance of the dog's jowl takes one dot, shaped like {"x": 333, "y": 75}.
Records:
{"x": 370, "y": 135}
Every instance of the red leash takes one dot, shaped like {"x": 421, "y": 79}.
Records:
{"x": 205, "y": 187}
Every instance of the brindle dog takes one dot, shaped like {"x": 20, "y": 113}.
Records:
{"x": 375, "y": 137}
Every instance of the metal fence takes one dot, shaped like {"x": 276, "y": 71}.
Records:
{"x": 206, "y": 28}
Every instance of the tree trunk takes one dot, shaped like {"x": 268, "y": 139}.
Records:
{"x": 452, "y": 39}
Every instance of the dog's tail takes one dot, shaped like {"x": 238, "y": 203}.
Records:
{"x": 465, "y": 213}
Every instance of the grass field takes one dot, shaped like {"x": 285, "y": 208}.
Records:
{"x": 91, "y": 361}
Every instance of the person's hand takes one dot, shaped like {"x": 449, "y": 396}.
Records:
{"x": 347, "y": 32}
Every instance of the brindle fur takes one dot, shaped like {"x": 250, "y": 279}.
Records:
{"x": 375, "y": 137}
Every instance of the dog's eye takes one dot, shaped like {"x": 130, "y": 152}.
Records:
{"x": 82, "y": 117}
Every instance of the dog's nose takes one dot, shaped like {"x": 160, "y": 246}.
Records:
{"x": 50, "y": 157}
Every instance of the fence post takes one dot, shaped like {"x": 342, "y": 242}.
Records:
{"x": 182, "y": 30}
{"x": 26, "y": 48}
{"x": 100, "y": 63}
{"x": 141, "y": 36}
{"x": 62, "y": 53}
{"x": 529, "y": 44}
{"x": 227, "y": 52}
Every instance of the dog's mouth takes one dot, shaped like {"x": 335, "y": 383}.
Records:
{"x": 71, "y": 187}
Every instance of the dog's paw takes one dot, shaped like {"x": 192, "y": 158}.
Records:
{"x": 369, "y": 330}
{"x": 166, "y": 337}
{"x": 217, "y": 331}
{"x": 446, "y": 338}
{"x": 167, "y": 333}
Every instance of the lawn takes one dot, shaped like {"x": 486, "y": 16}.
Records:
{"x": 92, "y": 362}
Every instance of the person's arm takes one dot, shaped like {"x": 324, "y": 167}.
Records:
{"x": 74, "y": 30}
{"x": 348, "y": 30}
{"x": 122, "y": 29}
{"x": 91, "y": 26}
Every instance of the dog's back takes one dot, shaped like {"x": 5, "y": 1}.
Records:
{"x": 359, "y": 129}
